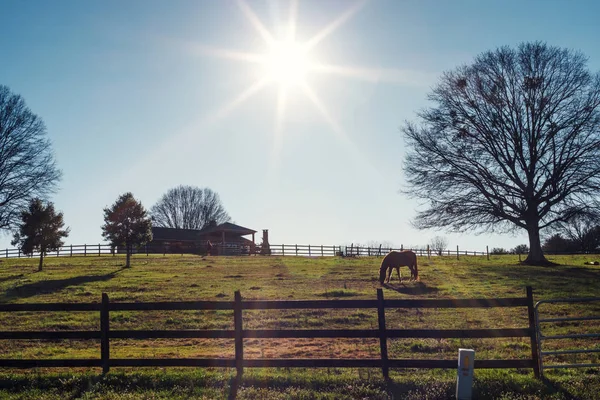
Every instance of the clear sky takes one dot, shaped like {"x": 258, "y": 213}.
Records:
{"x": 144, "y": 95}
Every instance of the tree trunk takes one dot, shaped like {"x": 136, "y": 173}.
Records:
{"x": 535, "y": 256}
{"x": 128, "y": 251}
{"x": 41, "y": 261}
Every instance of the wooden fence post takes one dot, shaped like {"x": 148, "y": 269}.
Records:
{"x": 283, "y": 250}
{"x": 457, "y": 252}
{"x": 239, "y": 338}
{"x": 309, "y": 250}
{"x": 487, "y": 252}
{"x": 382, "y": 333}
{"x": 19, "y": 252}
{"x": 85, "y": 250}
{"x": 322, "y": 251}
{"x": 104, "y": 334}
{"x": 428, "y": 253}
{"x": 401, "y": 248}
{"x": 71, "y": 253}
{"x": 58, "y": 252}
{"x": 6, "y": 253}
{"x": 379, "y": 250}
{"x": 99, "y": 250}
{"x": 296, "y": 249}
{"x": 533, "y": 333}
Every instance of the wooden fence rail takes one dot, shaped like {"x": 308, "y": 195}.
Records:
{"x": 239, "y": 333}
{"x": 304, "y": 250}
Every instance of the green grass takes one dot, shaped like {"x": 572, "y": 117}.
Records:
{"x": 159, "y": 278}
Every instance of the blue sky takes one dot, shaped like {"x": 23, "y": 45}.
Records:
{"x": 133, "y": 101}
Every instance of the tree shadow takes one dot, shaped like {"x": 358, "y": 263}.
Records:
{"x": 51, "y": 286}
{"x": 413, "y": 289}
{"x": 11, "y": 278}
{"x": 560, "y": 278}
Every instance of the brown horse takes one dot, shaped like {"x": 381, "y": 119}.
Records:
{"x": 397, "y": 259}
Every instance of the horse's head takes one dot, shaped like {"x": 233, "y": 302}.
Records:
{"x": 382, "y": 274}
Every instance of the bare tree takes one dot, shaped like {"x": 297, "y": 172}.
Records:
{"x": 439, "y": 244}
{"x": 513, "y": 142}
{"x": 189, "y": 207}
{"x": 27, "y": 166}
{"x": 583, "y": 232}
{"x": 40, "y": 230}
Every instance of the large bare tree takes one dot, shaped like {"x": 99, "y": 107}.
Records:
{"x": 511, "y": 142}
{"x": 27, "y": 166}
{"x": 188, "y": 207}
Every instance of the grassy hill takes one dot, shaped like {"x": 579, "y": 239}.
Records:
{"x": 158, "y": 278}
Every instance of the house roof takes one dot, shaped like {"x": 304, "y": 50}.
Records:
{"x": 180, "y": 235}
{"x": 228, "y": 227}
{"x": 174, "y": 234}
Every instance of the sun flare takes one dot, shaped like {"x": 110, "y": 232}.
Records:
{"x": 287, "y": 63}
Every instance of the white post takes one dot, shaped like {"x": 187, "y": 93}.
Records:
{"x": 464, "y": 380}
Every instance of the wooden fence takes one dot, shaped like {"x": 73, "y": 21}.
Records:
{"x": 305, "y": 250}
{"x": 239, "y": 333}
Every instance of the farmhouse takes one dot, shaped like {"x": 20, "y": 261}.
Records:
{"x": 228, "y": 237}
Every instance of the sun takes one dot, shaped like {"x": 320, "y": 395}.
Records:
{"x": 287, "y": 63}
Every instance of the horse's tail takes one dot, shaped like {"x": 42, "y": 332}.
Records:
{"x": 416, "y": 269}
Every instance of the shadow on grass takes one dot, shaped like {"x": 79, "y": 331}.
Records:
{"x": 52, "y": 285}
{"x": 558, "y": 278}
{"x": 413, "y": 289}
{"x": 234, "y": 384}
{"x": 184, "y": 385}
{"x": 11, "y": 278}
{"x": 557, "y": 387}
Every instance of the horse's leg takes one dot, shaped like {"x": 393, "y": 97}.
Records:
{"x": 398, "y": 271}
{"x": 389, "y": 275}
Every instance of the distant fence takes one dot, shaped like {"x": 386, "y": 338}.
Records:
{"x": 239, "y": 334}
{"x": 235, "y": 249}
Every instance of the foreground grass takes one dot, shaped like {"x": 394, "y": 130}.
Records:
{"x": 303, "y": 384}
{"x": 158, "y": 278}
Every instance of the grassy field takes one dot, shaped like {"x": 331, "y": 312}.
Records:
{"x": 158, "y": 278}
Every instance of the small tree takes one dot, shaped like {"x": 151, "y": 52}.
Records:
{"x": 583, "y": 232}
{"x": 40, "y": 230}
{"x": 557, "y": 244}
{"x": 521, "y": 249}
{"x": 439, "y": 244}
{"x": 499, "y": 251}
{"x": 127, "y": 224}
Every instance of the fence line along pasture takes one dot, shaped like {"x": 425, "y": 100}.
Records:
{"x": 304, "y": 250}
{"x": 105, "y": 334}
